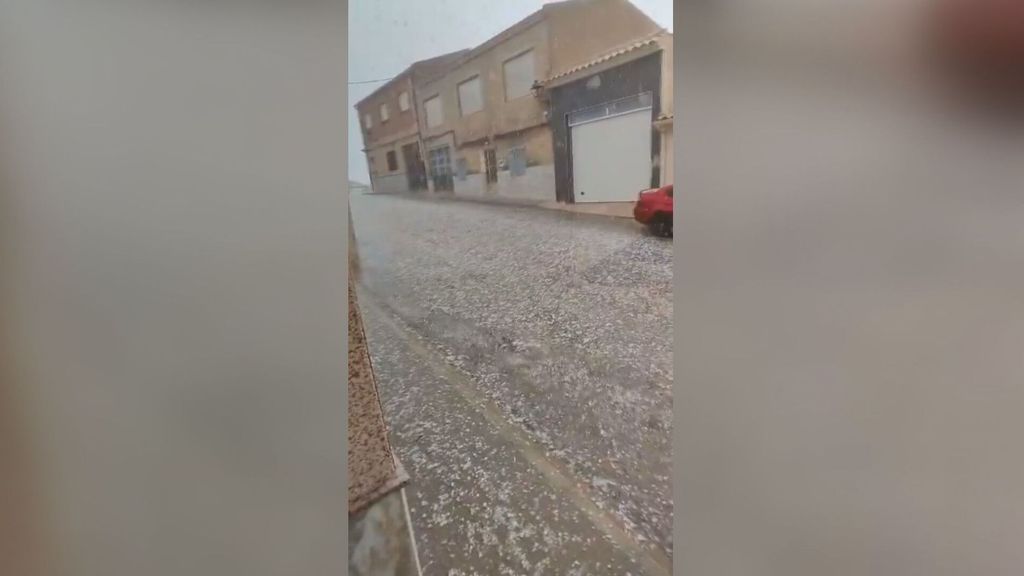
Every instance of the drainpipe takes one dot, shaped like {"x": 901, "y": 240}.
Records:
{"x": 419, "y": 129}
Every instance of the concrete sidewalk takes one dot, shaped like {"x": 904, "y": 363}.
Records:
{"x": 615, "y": 209}
{"x": 612, "y": 209}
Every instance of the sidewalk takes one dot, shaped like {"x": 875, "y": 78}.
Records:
{"x": 612, "y": 209}
{"x": 615, "y": 209}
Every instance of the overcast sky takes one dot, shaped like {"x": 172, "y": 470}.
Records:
{"x": 384, "y": 37}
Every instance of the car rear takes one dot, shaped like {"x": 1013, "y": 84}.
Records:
{"x": 654, "y": 209}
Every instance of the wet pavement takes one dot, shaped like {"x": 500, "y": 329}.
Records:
{"x": 524, "y": 360}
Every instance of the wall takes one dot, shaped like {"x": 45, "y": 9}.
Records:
{"x": 579, "y": 32}
{"x": 400, "y": 124}
{"x": 390, "y": 184}
{"x": 667, "y": 108}
{"x": 473, "y": 186}
{"x": 498, "y": 116}
{"x": 667, "y": 156}
{"x": 537, "y": 142}
{"x": 630, "y": 78}
{"x": 667, "y": 74}
{"x": 390, "y": 181}
{"x": 536, "y": 184}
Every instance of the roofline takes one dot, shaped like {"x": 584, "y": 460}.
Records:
{"x": 409, "y": 71}
{"x": 394, "y": 80}
{"x": 627, "y": 52}
{"x": 516, "y": 29}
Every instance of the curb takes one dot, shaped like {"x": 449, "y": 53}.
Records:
{"x": 548, "y": 205}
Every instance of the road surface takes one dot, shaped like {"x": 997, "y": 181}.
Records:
{"x": 524, "y": 359}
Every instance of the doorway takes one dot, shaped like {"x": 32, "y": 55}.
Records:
{"x": 611, "y": 150}
{"x": 441, "y": 169}
{"x": 415, "y": 170}
{"x": 491, "y": 166}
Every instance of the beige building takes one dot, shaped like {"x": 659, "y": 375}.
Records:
{"x": 484, "y": 129}
{"x": 665, "y": 120}
{"x": 391, "y": 138}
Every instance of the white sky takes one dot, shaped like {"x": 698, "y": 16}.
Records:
{"x": 384, "y": 37}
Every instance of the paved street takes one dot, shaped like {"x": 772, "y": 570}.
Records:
{"x": 524, "y": 359}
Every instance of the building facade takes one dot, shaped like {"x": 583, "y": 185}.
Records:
{"x": 610, "y": 120}
{"x": 390, "y": 128}
{"x": 484, "y": 120}
{"x": 663, "y": 122}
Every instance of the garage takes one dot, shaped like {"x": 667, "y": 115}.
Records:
{"x": 611, "y": 150}
{"x": 602, "y": 113}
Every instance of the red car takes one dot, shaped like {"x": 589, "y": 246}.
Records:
{"x": 654, "y": 209}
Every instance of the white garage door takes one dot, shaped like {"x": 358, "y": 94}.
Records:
{"x": 611, "y": 153}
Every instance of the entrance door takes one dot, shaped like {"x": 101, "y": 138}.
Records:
{"x": 490, "y": 166}
{"x": 415, "y": 170}
{"x": 441, "y": 169}
{"x": 611, "y": 154}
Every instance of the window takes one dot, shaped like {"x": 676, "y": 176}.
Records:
{"x": 367, "y": 121}
{"x": 403, "y": 101}
{"x": 469, "y": 96}
{"x": 432, "y": 108}
{"x": 383, "y": 112}
{"x": 392, "y": 161}
{"x": 519, "y": 75}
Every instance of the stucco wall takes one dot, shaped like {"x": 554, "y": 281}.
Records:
{"x": 400, "y": 124}
{"x": 473, "y": 154}
{"x": 391, "y": 184}
{"x": 582, "y": 31}
{"x": 472, "y": 186}
{"x": 537, "y": 141}
{"x": 498, "y": 116}
{"x": 537, "y": 184}
{"x": 667, "y": 156}
{"x": 667, "y": 74}
{"x": 379, "y": 167}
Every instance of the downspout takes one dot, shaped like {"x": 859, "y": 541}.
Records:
{"x": 419, "y": 129}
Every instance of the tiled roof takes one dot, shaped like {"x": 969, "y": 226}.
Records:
{"x": 635, "y": 45}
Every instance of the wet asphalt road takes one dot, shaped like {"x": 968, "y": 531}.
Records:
{"x": 524, "y": 359}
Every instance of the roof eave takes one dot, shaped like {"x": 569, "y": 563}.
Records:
{"x": 594, "y": 68}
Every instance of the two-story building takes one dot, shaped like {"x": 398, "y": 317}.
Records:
{"x": 483, "y": 121}
{"x": 391, "y": 137}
